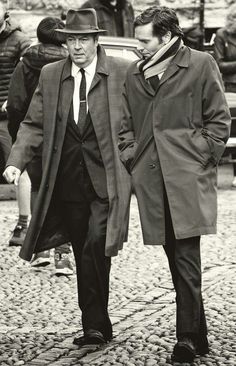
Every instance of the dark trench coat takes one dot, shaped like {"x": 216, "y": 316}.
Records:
{"x": 176, "y": 136}
{"x": 43, "y": 126}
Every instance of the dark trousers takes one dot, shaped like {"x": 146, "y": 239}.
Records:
{"x": 86, "y": 223}
{"x": 185, "y": 267}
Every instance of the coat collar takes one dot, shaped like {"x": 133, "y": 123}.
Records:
{"x": 181, "y": 59}
{"x": 102, "y": 67}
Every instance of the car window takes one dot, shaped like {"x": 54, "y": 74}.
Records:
{"x": 119, "y": 52}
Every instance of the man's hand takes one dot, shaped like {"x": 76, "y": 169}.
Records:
{"x": 12, "y": 174}
{"x": 4, "y": 106}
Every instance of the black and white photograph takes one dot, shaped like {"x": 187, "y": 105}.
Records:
{"x": 117, "y": 182}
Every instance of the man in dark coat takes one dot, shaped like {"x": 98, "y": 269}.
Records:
{"x": 75, "y": 114}
{"x": 175, "y": 126}
{"x": 116, "y": 16}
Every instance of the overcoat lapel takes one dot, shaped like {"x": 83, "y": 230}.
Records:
{"x": 96, "y": 79}
{"x": 170, "y": 71}
{"x": 66, "y": 96}
{"x": 145, "y": 85}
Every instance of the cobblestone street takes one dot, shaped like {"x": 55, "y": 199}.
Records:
{"x": 39, "y": 311}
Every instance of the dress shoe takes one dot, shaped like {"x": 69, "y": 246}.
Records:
{"x": 184, "y": 350}
{"x": 91, "y": 336}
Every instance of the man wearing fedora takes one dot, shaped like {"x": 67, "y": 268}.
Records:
{"x": 75, "y": 115}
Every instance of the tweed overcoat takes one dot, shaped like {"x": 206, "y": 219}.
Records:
{"x": 174, "y": 138}
{"x": 42, "y": 125}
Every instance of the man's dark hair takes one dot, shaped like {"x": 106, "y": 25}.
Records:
{"x": 163, "y": 20}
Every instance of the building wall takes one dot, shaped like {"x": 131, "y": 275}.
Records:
{"x": 187, "y": 10}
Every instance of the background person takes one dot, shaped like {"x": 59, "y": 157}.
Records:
{"x": 116, "y": 16}
{"x": 22, "y": 86}
{"x": 173, "y": 133}
{"x": 75, "y": 115}
{"x": 13, "y": 44}
{"x": 225, "y": 55}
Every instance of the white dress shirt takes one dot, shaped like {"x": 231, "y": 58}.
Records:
{"x": 89, "y": 75}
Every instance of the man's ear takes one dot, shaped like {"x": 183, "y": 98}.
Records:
{"x": 6, "y": 15}
{"x": 167, "y": 37}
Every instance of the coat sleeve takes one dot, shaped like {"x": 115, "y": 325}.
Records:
{"x": 18, "y": 100}
{"x": 23, "y": 43}
{"x": 127, "y": 143}
{"x": 220, "y": 53}
{"x": 30, "y": 134}
{"x": 216, "y": 114}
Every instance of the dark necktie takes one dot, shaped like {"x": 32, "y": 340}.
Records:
{"x": 83, "y": 103}
{"x": 154, "y": 81}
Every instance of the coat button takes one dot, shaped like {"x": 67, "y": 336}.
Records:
{"x": 152, "y": 166}
{"x": 55, "y": 148}
{"x": 47, "y": 186}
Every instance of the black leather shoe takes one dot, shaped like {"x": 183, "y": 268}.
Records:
{"x": 184, "y": 350}
{"x": 90, "y": 337}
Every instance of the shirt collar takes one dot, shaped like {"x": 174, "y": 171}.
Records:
{"x": 90, "y": 69}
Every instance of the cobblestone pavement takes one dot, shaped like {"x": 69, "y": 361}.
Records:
{"x": 39, "y": 314}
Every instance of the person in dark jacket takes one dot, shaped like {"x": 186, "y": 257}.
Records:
{"x": 22, "y": 86}
{"x": 225, "y": 55}
{"x": 116, "y": 16}
{"x": 13, "y": 44}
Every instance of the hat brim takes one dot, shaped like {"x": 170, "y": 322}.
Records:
{"x": 86, "y": 31}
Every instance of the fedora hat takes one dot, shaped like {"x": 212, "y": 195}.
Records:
{"x": 82, "y": 21}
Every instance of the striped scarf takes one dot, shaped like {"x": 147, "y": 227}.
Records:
{"x": 158, "y": 63}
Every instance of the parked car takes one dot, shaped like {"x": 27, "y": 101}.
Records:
{"x": 121, "y": 47}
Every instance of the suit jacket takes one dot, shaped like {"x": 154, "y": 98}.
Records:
{"x": 46, "y": 122}
{"x": 81, "y": 166}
